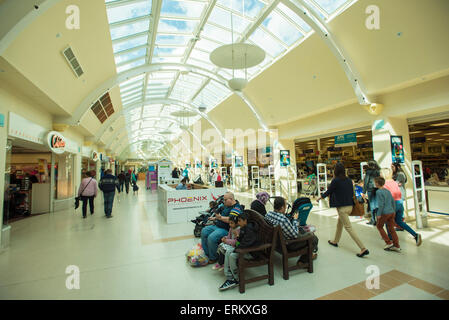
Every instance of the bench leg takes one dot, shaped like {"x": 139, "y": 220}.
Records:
{"x": 241, "y": 278}
{"x": 285, "y": 267}
{"x": 270, "y": 273}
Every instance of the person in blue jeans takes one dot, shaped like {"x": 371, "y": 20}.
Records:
{"x": 211, "y": 235}
{"x": 108, "y": 184}
{"x": 369, "y": 188}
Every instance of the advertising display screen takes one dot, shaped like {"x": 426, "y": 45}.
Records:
{"x": 199, "y": 164}
{"x": 285, "y": 158}
{"x": 238, "y": 161}
{"x": 397, "y": 149}
{"x": 213, "y": 163}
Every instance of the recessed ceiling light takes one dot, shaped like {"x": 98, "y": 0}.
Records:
{"x": 415, "y": 132}
{"x": 430, "y": 133}
{"x": 439, "y": 124}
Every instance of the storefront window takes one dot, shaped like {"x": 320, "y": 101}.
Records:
{"x": 64, "y": 176}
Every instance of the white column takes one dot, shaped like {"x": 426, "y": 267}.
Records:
{"x": 3, "y": 141}
{"x": 382, "y": 152}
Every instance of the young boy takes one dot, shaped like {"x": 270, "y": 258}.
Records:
{"x": 248, "y": 237}
{"x": 385, "y": 214}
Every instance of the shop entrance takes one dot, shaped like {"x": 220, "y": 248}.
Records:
{"x": 429, "y": 142}
{"x": 27, "y": 180}
{"x": 328, "y": 150}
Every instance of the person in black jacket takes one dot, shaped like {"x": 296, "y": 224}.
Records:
{"x": 248, "y": 237}
{"x": 258, "y": 205}
{"x": 108, "y": 184}
{"x": 121, "y": 179}
{"x": 369, "y": 188}
{"x": 341, "y": 193}
{"x": 127, "y": 181}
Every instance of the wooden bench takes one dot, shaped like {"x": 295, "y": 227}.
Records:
{"x": 286, "y": 254}
{"x": 268, "y": 237}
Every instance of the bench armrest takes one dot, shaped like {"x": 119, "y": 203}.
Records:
{"x": 253, "y": 249}
{"x": 308, "y": 237}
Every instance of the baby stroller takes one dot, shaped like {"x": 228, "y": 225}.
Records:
{"x": 203, "y": 219}
{"x": 198, "y": 180}
{"x": 303, "y": 206}
{"x": 310, "y": 188}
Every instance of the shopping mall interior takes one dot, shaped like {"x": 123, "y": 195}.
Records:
{"x": 240, "y": 96}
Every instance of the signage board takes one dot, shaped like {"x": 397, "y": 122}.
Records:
{"x": 397, "y": 149}
{"x": 213, "y": 163}
{"x": 285, "y": 158}
{"x": 2, "y": 120}
{"x": 238, "y": 161}
{"x": 345, "y": 140}
{"x": 56, "y": 142}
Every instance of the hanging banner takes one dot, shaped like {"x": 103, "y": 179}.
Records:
{"x": 199, "y": 164}
{"x": 285, "y": 158}
{"x": 213, "y": 163}
{"x": 95, "y": 156}
{"x": 397, "y": 149}
{"x": 2, "y": 120}
{"x": 346, "y": 140}
{"x": 56, "y": 142}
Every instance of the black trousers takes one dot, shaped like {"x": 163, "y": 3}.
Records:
{"x": 302, "y": 244}
{"x": 91, "y": 204}
{"x": 127, "y": 186}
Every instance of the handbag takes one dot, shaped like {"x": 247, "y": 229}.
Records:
{"x": 358, "y": 209}
{"x": 77, "y": 199}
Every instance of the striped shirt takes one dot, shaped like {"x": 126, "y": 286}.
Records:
{"x": 289, "y": 228}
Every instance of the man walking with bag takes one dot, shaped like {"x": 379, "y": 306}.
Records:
{"x": 108, "y": 184}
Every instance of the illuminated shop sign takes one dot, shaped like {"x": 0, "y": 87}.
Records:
{"x": 56, "y": 142}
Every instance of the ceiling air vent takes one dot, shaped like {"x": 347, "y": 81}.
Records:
{"x": 103, "y": 108}
{"x": 73, "y": 62}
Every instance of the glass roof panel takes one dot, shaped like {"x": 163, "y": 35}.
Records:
{"x": 131, "y": 43}
{"x": 250, "y": 8}
{"x": 186, "y": 9}
{"x": 129, "y": 11}
{"x": 130, "y": 55}
{"x": 132, "y": 80}
{"x": 218, "y": 34}
{"x": 131, "y": 65}
{"x": 289, "y": 13}
{"x": 169, "y": 51}
{"x": 330, "y": 6}
{"x": 177, "y": 26}
{"x": 267, "y": 43}
{"x": 172, "y": 39}
{"x": 129, "y": 29}
{"x": 223, "y": 18}
{"x": 166, "y": 60}
{"x": 281, "y": 28}
{"x": 207, "y": 45}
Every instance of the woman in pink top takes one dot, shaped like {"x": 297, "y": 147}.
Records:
{"x": 88, "y": 191}
{"x": 395, "y": 191}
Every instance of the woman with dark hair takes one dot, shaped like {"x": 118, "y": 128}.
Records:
{"x": 369, "y": 188}
{"x": 341, "y": 193}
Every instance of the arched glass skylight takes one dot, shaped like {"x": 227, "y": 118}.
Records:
{"x": 186, "y": 32}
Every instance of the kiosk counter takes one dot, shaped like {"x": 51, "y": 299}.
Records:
{"x": 184, "y": 205}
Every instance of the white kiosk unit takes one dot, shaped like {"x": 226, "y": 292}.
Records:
{"x": 184, "y": 205}
{"x": 164, "y": 169}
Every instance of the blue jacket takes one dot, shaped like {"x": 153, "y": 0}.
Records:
{"x": 385, "y": 202}
{"x": 225, "y": 213}
{"x": 108, "y": 183}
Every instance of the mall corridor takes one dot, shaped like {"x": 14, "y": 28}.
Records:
{"x": 136, "y": 255}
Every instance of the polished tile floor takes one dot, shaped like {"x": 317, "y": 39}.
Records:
{"x": 136, "y": 255}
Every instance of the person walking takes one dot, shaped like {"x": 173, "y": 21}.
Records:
{"x": 395, "y": 190}
{"x": 369, "y": 188}
{"x": 127, "y": 181}
{"x": 341, "y": 192}
{"x": 88, "y": 191}
{"x": 108, "y": 185}
{"x": 121, "y": 180}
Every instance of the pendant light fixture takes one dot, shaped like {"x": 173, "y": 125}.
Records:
{"x": 237, "y": 56}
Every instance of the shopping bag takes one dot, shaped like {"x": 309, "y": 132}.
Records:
{"x": 196, "y": 256}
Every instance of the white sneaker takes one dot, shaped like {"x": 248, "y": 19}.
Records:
{"x": 388, "y": 246}
{"x": 393, "y": 248}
